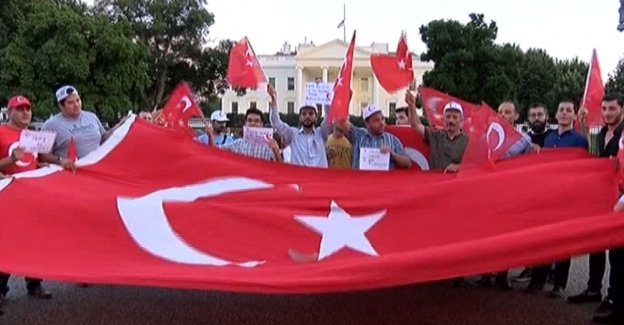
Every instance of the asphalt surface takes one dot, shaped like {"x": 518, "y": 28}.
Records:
{"x": 434, "y": 303}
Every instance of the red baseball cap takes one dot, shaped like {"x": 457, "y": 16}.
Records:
{"x": 17, "y": 101}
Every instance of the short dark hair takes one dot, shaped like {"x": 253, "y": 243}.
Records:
{"x": 567, "y": 100}
{"x": 402, "y": 109}
{"x": 254, "y": 111}
{"x": 612, "y": 97}
{"x": 538, "y": 105}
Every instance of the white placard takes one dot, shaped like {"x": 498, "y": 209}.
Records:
{"x": 373, "y": 159}
{"x": 37, "y": 141}
{"x": 319, "y": 93}
{"x": 258, "y": 135}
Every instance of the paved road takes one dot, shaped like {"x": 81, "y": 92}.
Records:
{"x": 435, "y": 303}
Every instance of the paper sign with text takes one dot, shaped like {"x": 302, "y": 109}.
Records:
{"x": 37, "y": 141}
{"x": 319, "y": 92}
{"x": 373, "y": 159}
{"x": 258, "y": 135}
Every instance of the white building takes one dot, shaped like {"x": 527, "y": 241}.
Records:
{"x": 290, "y": 69}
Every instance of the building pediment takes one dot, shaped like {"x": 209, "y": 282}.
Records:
{"x": 334, "y": 50}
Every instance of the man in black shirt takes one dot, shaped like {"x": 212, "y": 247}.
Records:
{"x": 538, "y": 123}
{"x": 611, "y": 310}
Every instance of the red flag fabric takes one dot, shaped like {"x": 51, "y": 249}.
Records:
{"x": 490, "y": 138}
{"x": 244, "y": 69}
{"x": 433, "y": 102}
{"x": 72, "y": 152}
{"x": 394, "y": 71}
{"x": 147, "y": 224}
{"x": 415, "y": 146}
{"x": 339, "y": 108}
{"x": 592, "y": 96}
{"x": 180, "y": 107}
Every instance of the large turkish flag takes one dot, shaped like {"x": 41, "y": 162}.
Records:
{"x": 173, "y": 212}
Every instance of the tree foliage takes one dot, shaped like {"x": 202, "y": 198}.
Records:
{"x": 470, "y": 65}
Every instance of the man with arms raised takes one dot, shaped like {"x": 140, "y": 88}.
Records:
{"x": 307, "y": 143}
{"x": 448, "y": 144}
{"x": 374, "y": 136}
{"x": 14, "y": 160}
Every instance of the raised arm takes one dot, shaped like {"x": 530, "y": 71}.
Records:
{"x": 286, "y": 131}
{"x": 326, "y": 128}
{"x": 412, "y": 115}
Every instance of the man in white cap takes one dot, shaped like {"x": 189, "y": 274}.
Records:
{"x": 306, "y": 143}
{"x": 375, "y": 137}
{"x": 218, "y": 120}
{"x": 448, "y": 144}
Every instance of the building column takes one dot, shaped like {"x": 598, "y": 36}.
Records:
{"x": 300, "y": 86}
{"x": 324, "y": 74}
{"x": 376, "y": 91}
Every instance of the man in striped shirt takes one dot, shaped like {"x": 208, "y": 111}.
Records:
{"x": 374, "y": 136}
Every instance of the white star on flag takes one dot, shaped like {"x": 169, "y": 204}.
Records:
{"x": 250, "y": 63}
{"x": 339, "y": 230}
{"x": 402, "y": 65}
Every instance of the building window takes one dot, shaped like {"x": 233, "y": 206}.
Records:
{"x": 364, "y": 85}
{"x": 291, "y": 83}
{"x": 253, "y": 105}
{"x": 392, "y": 109}
{"x": 412, "y": 85}
{"x": 234, "y": 108}
{"x": 291, "y": 107}
{"x": 272, "y": 81}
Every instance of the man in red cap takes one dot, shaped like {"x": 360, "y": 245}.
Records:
{"x": 15, "y": 160}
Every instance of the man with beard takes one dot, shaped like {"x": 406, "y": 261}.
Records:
{"x": 14, "y": 159}
{"x": 374, "y": 136}
{"x": 538, "y": 123}
{"x": 611, "y": 310}
{"x": 218, "y": 120}
{"x": 307, "y": 143}
{"x": 448, "y": 144}
{"x": 564, "y": 137}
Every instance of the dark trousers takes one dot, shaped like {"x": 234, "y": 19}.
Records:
{"x": 616, "y": 277}
{"x": 31, "y": 283}
{"x": 597, "y": 266}
{"x": 562, "y": 272}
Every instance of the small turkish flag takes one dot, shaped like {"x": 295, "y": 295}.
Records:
{"x": 394, "y": 72}
{"x": 490, "y": 138}
{"x": 415, "y": 147}
{"x": 244, "y": 69}
{"x": 180, "y": 107}
{"x": 339, "y": 108}
{"x": 433, "y": 102}
{"x": 72, "y": 153}
{"x": 592, "y": 97}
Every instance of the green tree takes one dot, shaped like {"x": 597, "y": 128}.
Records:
{"x": 57, "y": 43}
{"x": 175, "y": 32}
{"x": 571, "y": 78}
{"x": 537, "y": 79}
{"x": 615, "y": 83}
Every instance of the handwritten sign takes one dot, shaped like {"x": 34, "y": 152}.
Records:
{"x": 258, "y": 135}
{"x": 319, "y": 92}
{"x": 37, "y": 141}
{"x": 373, "y": 159}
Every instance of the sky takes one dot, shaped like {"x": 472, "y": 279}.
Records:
{"x": 564, "y": 28}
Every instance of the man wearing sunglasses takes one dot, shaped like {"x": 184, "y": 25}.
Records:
{"x": 13, "y": 159}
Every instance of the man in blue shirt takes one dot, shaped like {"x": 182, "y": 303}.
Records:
{"x": 564, "y": 137}
{"x": 219, "y": 120}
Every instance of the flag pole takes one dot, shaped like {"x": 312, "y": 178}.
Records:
{"x": 344, "y": 22}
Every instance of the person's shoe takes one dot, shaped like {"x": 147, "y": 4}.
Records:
{"x": 556, "y": 293}
{"x": 502, "y": 282}
{"x": 612, "y": 317}
{"x": 39, "y": 293}
{"x": 533, "y": 288}
{"x": 457, "y": 282}
{"x": 524, "y": 276}
{"x": 606, "y": 306}
{"x": 585, "y": 297}
{"x": 485, "y": 280}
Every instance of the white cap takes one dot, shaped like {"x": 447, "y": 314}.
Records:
{"x": 218, "y": 116}
{"x": 65, "y": 92}
{"x": 454, "y": 106}
{"x": 370, "y": 110}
